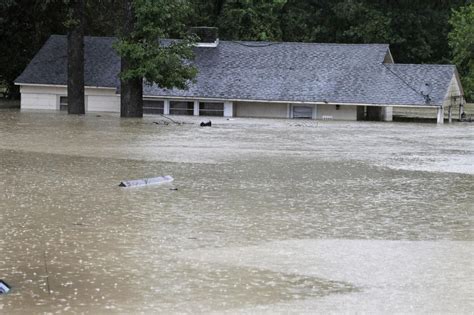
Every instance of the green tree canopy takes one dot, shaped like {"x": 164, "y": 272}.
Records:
{"x": 461, "y": 41}
{"x": 164, "y": 63}
{"x": 251, "y": 19}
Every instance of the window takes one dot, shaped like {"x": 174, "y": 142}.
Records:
{"x": 153, "y": 107}
{"x": 63, "y": 101}
{"x": 181, "y": 108}
{"x": 211, "y": 109}
{"x": 302, "y": 112}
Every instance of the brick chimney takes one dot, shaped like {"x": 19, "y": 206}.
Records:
{"x": 208, "y": 36}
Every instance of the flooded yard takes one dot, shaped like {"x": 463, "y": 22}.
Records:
{"x": 269, "y": 216}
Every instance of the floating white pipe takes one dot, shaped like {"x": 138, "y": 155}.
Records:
{"x": 147, "y": 181}
{"x": 4, "y": 287}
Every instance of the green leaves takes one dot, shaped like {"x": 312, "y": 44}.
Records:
{"x": 251, "y": 20}
{"x": 461, "y": 41}
{"x": 166, "y": 63}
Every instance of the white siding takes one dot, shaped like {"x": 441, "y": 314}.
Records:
{"x": 33, "y": 89}
{"x": 103, "y": 103}
{"x": 41, "y": 97}
{"x": 39, "y": 101}
{"x": 267, "y": 110}
{"x": 102, "y": 100}
{"x": 345, "y": 112}
{"x": 387, "y": 113}
{"x": 228, "y": 109}
{"x": 47, "y": 97}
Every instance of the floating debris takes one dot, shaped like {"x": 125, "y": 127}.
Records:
{"x": 206, "y": 124}
{"x": 4, "y": 287}
{"x": 161, "y": 123}
{"x": 147, "y": 181}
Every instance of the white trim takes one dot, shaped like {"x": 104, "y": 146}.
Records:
{"x": 228, "y": 109}
{"x": 221, "y": 100}
{"x": 390, "y": 55}
{"x": 208, "y": 45}
{"x": 446, "y": 95}
{"x": 59, "y": 85}
{"x": 440, "y": 115}
{"x": 166, "y": 107}
{"x": 196, "y": 108}
{"x": 458, "y": 79}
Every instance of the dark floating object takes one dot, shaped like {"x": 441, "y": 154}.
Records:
{"x": 174, "y": 188}
{"x": 161, "y": 123}
{"x": 4, "y": 287}
{"x": 206, "y": 124}
{"x": 147, "y": 181}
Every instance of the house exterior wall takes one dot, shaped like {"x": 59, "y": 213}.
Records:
{"x": 41, "y": 97}
{"x": 264, "y": 110}
{"x": 47, "y": 98}
{"x": 106, "y": 100}
{"x": 343, "y": 113}
{"x": 453, "y": 90}
{"x": 102, "y": 100}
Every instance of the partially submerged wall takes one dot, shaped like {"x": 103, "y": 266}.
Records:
{"x": 48, "y": 98}
{"x": 41, "y": 97}
{"x": 337, "y": 112}
{"x": 106, "y": 100}
{"x": 265, "y": 110}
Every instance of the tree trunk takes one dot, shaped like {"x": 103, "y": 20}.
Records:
{"x": 131, "y": 90}
{"x": 131, "y": 95}
{"x": 75, "y": 67}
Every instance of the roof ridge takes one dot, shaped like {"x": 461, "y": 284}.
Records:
{"x": 305, "y": 43}
{"x": 422, "y": 64}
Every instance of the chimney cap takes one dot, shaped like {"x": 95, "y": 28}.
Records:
{"x": 207, "y": 35}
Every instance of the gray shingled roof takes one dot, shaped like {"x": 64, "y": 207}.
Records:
{"x": 415, "y": 75}
{"x": 49, "y": 66}
{"x": 335, "y": 73}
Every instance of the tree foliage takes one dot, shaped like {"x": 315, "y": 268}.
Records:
{"x": 151, "y": 58}
{"x": 251, "y": 19}
{"x": 24, "y": 27}
{"x": 416, "y": 30}
{"x": 461, "y": 41}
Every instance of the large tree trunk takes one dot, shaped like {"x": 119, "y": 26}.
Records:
{"x": 131, "y": 95}
{"x": 131, "y": 90}
{"x": 75, "y": 67}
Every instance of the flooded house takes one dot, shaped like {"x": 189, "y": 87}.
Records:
{"x": 255, "y": 79}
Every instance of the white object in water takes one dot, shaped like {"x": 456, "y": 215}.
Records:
{"x": 147, "y": 181}
{"x": 4, "y": 288}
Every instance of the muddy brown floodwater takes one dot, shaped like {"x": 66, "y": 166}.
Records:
{"x": 270, "y": 216}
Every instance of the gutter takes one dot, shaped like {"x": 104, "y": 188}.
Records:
{"x": 283, "y": 102}
{"x": 65, "y": 86}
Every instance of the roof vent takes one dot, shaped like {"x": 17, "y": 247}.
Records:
{"x": 208, "y": 36}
